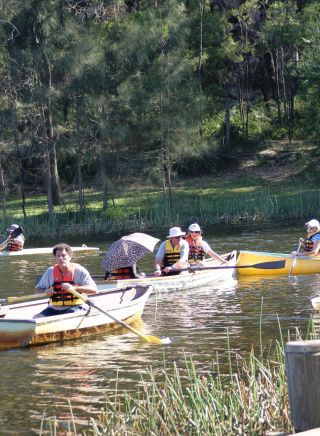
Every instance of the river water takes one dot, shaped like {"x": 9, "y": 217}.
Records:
{"x": 243, "y": 310}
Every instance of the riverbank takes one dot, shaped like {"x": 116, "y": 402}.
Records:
{"x": 268, "y": 186}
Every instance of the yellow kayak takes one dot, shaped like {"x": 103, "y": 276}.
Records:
{"x": 270, "y": 262}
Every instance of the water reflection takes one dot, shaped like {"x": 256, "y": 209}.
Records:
{"x": 201, "y": 323}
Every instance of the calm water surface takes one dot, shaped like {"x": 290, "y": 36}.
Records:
{"x": 42, "y": 379}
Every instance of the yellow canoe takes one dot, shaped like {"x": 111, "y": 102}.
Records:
{"x": 270, "y": 263}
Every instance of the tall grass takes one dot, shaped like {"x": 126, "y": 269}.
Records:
{"x": 248, "y": 396}
{"x": 147, "y": 209}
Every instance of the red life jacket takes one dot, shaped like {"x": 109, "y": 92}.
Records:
{"x": 122, "y": 273}
{"x": 61, "y": 297}
{"x": 196, "y": 252}
{"x": 310, "y": 243}
{"x": 13, "y": 245}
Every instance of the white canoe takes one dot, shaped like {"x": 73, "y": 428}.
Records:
{"x": 46, "y": 250}
{"x": 315, "y": 302}
{"x": 18, "y": 328}
{"x": 186, "y": 280}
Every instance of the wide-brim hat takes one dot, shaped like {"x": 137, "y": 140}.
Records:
{"x": 194, "y": 228}
{"x": 174, "y": 232}
{"x": 313, "y": 223}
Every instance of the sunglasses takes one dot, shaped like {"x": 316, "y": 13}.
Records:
{"x": 196, "y": 232}
{"x": 177, "y": 237}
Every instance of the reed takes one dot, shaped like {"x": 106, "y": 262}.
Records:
{"x": 247, "y": 395}
{"x": 146, "y": 209}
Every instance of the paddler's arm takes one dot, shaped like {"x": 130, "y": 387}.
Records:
{"x": 159, "y": 259}
{"x": 208, "y": 250}
{"x": 216, "y": 256}
{"x": 314, "y": 252}
{"x": 3, "y": 244}
{"x": 45, "y": 283}
{"x": 83, "y": 289}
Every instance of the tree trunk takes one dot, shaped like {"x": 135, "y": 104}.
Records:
{"x": 227, "y": 135}
{"x": 3, "y": 194}
{"x": 80, "y": 184}
{"x": 47, "y": 164}
{"x": 55, "y": 183}
{"x": 56, "y": 190}
{"x": 79, "y": 153}
{"x": 104, "y": 179}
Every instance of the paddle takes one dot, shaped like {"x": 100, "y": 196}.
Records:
{"x": 295, "y": 258}
{"x": 147, "y": 338}
{"x": 277, "y": 264}
{"x": 10, "y": 300}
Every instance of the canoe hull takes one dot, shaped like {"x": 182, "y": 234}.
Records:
{"x": 18, "y": 328}
{"x": 304, "y": 264}
{"x": 45, "y": 250}
{"x": 185, "y": 280}
{"x": 315, "y": 302}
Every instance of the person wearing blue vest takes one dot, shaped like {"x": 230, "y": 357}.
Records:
{"x": 312, "y": 242}
{"x": 172, "y": 255}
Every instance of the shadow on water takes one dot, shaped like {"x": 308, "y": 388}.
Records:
{"x": 241, "y": 311}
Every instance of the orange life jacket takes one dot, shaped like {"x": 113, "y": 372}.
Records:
{"x": 14, "y": 245}
{"x": 196, "y": 252}
{"x": 122, "y": 273}
{"x": 61, "y": 297}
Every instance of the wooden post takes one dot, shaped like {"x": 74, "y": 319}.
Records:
{"x": 303, "y": 377}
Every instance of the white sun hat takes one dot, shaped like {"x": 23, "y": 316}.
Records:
{"x": 313, "y": 223}
{"x": 194, "y": 228}
{"x": 174, "y": 232}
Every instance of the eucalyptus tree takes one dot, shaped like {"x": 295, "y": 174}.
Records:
{"x": 213, "y": 39}
{"x": 280, "y": 44}
{"x": 36, "y": 62}
{"x": 165, "y": 102}
{"x": 13, "y": 138}
{"x": 309, "y": 72}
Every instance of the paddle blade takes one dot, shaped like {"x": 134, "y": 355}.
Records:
{"x": 155, "y": 339}
{"x": 278, "y": 264}
{"x": 147, "y": 338}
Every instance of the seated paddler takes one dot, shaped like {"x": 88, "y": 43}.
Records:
{"x": 15, "y": 239}
{"x": 124, "y": 273}
{"x": 198, "y": 248}
{"x": 312, "y": 242}
{"x": 172, "y": 255}
{"x": 60, "y": 279}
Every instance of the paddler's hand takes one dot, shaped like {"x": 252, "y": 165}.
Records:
{"x": 167, "y": 269}
{"x": 49, "y": 292}
{"x": 68, "y": 287}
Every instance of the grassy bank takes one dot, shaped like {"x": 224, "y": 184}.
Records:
{"x": 248, "y": 396}
{"x": 142, "y": 209}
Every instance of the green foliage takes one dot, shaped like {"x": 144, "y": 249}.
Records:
{"x": 138, "y": 89}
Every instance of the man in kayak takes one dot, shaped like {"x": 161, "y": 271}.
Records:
{"x": 15, "y": 239}
{"x": 312, "y": 242}
{"x": 61, "y": 278}
{"x": 172, "y": 255}
{"x": 198, "y": 247}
